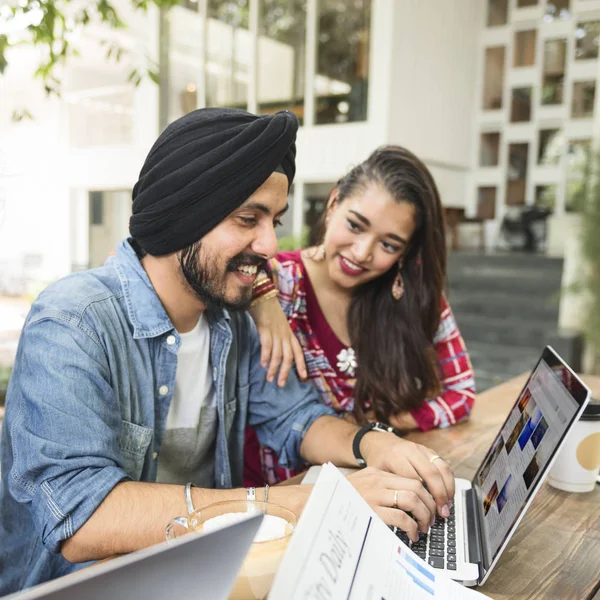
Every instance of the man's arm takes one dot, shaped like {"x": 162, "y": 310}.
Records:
{"x": 330, "y": 439}
{"x": 134, "y": 515}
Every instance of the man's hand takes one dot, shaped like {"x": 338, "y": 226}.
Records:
{"x": 389, "y": 453}
{"x": 392, "y": 497}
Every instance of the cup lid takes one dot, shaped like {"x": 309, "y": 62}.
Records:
{"x": 592, "y": 411}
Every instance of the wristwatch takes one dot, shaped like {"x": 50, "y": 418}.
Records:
{"x": 383, "y": 427}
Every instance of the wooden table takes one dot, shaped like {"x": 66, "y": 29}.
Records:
{"x": 555, "y": 553}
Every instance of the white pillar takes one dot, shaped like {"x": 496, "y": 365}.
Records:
{"x": 253, "y": 65}
{"x": 311, "y": 61}
{"x": 79, "y": 229}
{"x": 298, "y": 209}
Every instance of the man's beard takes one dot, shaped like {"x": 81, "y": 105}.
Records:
{"x": 201, "y": 272}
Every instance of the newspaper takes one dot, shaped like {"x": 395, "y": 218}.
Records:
{"x": 342, "y": 550}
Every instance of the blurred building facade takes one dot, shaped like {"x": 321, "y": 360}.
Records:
{"x": 357, "y": 73}
{"x": 537, "y": 111}
{"x": 498, "y": 97}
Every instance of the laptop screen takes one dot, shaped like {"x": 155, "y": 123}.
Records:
{"x": 527, "y": 441}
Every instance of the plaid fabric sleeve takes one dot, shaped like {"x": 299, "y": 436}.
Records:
{"x": 265, "y": 280}
{"x": 456, "y": 399}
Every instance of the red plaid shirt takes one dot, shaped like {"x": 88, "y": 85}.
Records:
{"x": 336, "y": 388}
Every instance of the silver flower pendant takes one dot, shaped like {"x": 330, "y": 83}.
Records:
{"x": 347, "y": 361}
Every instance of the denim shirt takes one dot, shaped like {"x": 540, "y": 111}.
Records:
{"x": 87, "y": 408}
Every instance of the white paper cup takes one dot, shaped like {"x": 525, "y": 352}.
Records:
{"x": 576, "y": 467}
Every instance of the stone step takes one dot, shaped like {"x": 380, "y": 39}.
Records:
{"x": 520, "y": 261}
{"x": 504, "y": 304}
{"x": 532, "y": 288}
{"x": 514, "y": 332}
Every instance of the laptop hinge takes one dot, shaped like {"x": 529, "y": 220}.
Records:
{"x": 473, "y": 528}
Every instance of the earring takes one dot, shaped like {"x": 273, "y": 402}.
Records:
{"x": 319, "y": 254}
{"x": 398, "y": 285}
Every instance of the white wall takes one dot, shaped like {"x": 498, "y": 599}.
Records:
{"x": 433, "y": 75}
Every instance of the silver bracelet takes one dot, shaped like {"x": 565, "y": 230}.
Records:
{"x": 266, "y": 493}
{"x": 251, "y": 494}
{"x": 188, "y": 497}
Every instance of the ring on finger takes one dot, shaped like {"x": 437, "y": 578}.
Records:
{"x": 434, "y": 458}
{"x": 395, "y": 505}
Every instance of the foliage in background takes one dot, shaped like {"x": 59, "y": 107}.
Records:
{"x": 590, "y": 247}
{"x": 4, "y": 377}
{"x": 292, "y": 242}
{"x": 51, "y": 25}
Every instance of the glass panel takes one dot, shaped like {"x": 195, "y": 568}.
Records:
{"x": 342, "y": 78}
{"x": 281, "y": 53}
{"x": 489, "y": 149}
{"x": 545, "y": 196}
{"x": 497, "y": 12}
{"x": 520, "y": 109}
{"x": 525, "y": 48}
{"x": 516, "y": 179}
{"x": 524, "y": 3}
{"x": 550, "y": 147}
{"x": 555, "y": 52}
{"x": 557, "y": 9}
{"x": 587, "y": 38}
{"x": 486, "y": 202}
{"x": 96, "y": 208}
{"x": 584, "y": 93}
{"x": 578, "y": 171}
{"x": 493, "y": 83}
{"x": 229, "y": 53}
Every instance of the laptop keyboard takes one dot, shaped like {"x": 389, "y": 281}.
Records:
{"x": 438, "y": 547}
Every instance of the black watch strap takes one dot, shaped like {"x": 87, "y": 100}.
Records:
{"x": 383, "y": 427}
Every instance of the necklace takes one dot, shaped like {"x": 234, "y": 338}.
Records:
{"x": 347, "y": 361}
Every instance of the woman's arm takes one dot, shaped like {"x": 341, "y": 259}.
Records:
{"x": 279, "y": 346}
{"x": 456, "y": 399}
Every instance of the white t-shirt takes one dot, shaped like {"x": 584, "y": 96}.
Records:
{"x": 188, "y": 448}
{"x": 193, "y": 379}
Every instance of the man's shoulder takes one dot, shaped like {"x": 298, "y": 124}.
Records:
{"x": 72, "y": 296}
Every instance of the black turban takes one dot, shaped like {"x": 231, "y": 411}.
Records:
{"x": 201, "y": 168}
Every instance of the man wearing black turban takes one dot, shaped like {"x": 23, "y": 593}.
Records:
{"x": 134, "y": 383}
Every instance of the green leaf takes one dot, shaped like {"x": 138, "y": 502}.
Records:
{"x": 154, "y": 75}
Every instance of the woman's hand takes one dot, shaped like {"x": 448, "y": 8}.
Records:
{"x": 279, "y": 346}
{"x": 392, "y": 497}
{"x": 392, "y": 454}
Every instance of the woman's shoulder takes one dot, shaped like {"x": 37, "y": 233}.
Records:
{"x": 289, "y": 256}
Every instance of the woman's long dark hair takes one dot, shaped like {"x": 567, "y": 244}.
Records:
{"x": 393, "y": 339}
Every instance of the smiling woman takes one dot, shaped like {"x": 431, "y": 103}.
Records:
{"x": 365, "y": 310}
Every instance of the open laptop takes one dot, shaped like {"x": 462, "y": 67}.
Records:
{"x": 190, "y": 567}
{"x": 488, "y": 509}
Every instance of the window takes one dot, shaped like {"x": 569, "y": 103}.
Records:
{"x": 96, "y": 208}
{"x": 493, "y": 83}
{"x": 228, "y": 55}
{"x": 578, "y": 171}
{"x": 525, "y": 48}
{"x": 584, "y": 93}
{"x": 545, "y": 196}
{"x": 557, "y": 9}
{"x": 555, "y": 52}
{"x": 516, "y": 179}
{"x": 342, "y": 78}
{"x": 587, "y": 38}
{"x": 489, "y": 149}
{"x": 550, "y": 147}
{"x": 525, "y": 3}
{"x": 520, "y": 110}
{"x": 497, "y": 12}
{"x": 281, "y": 54}
{"x": 486, "y": 202}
